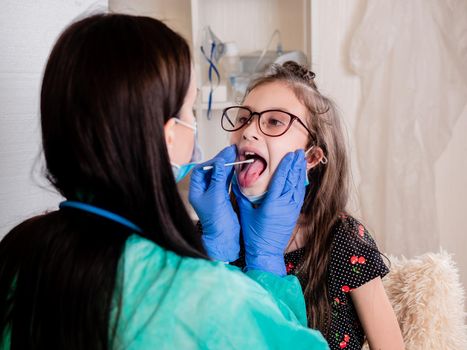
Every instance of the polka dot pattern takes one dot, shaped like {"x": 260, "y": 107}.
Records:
{"x": 354, "y": 261}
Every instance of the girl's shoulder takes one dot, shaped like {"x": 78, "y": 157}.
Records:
{"x": 350, "y": 233}
{"x": 355, "y": 258}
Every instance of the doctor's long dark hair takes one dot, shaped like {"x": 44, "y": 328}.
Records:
{"x": 110, "y": 84}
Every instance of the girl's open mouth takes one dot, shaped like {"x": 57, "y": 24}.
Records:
{"x": 248, "y": 174}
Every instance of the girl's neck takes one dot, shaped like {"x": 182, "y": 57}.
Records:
{"x": 297, "y": 240}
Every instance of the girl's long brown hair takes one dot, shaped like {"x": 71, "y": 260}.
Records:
{"x": 327, "y": 193}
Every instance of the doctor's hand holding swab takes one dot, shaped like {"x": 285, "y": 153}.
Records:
{"x": 209, "y": 196}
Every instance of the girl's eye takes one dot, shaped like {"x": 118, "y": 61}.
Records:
{"x": 241, "y": 120}
{"x": 276, "y": 119}
{"x": 275, "y": 122}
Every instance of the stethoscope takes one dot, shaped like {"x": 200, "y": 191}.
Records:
{"x": 102, "y": 213}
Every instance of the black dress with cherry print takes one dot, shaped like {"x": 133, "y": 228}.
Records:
{"x": 354, "y": 261}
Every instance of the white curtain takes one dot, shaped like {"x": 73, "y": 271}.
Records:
{"x": 411, "y": 57}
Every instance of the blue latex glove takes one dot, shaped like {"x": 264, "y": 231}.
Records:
{"x": 267, "y": 229}
{"x": 209, "y": 196}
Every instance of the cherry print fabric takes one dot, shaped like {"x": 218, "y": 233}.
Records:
{"x": 354, "y": 261}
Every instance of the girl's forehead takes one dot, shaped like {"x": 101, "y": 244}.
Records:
{"x": 275, "y": 95}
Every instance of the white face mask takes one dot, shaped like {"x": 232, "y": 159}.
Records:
{"x": 181, "y": 171}
{"x": 258, "y": 199}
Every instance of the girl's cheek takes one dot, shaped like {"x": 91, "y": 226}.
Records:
{"x": 276, "y": 157}
{"x": 234, "y": 138}
{"x": 274, "y": 162}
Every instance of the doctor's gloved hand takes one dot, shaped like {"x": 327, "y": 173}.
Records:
{"x": 267, "y": 229}
{"x": 209, "y": 196}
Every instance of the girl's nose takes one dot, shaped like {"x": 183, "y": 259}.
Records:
{"x": 251, "y": 130}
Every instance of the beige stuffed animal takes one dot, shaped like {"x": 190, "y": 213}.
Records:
{"x": 428, "y": 299}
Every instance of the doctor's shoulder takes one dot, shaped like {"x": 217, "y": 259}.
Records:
{"x": 197, "y": 303}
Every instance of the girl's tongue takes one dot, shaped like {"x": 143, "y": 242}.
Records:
{"x": 250, "y": 173}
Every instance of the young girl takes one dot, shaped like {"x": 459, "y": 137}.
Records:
{"x": 332, "y": 254}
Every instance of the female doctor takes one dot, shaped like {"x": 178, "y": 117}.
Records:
{"x": 120, "y": 264}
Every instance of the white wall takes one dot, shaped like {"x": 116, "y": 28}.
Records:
{"x": 175, "y": 13}
{"x": 28, "y": 30}
{"x": 333, "y": 23}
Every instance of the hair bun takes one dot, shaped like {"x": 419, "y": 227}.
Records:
{"x": 300, "y": 71}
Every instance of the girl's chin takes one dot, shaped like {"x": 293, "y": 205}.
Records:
{"x": 254, "y": 190}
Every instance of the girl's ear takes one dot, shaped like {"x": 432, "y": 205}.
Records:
{"x": 314, "y": 157}
{"x": 169, "y": 133}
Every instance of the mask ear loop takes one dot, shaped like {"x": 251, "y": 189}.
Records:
{"x": 323, "y": 160}
{"x": 308, "y": 150}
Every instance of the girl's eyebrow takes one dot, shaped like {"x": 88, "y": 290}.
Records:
{"x": 282, "y": 109}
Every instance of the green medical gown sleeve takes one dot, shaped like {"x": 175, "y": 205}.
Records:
{"x": 286, "y": 291}
{"x": 170, "y": 302}
{"x": 5, "y": 341}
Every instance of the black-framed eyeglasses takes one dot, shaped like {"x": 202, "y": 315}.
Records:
{"x": 272, "y": 122}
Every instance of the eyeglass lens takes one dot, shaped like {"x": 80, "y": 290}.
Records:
{"x": 271, "y": 123}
